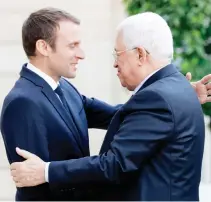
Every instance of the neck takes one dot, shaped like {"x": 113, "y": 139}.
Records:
{"x": 147, "y": 70}
{"x": 154, "y": 65}
{"x": 42, "y": 66}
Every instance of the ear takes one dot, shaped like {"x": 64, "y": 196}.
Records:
{"x": 142, "y": 53}
{"x": 42, "y": 47}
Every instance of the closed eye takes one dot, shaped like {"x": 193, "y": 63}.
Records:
{"x": 74, "y": 45}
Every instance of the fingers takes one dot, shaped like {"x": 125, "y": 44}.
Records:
{"x": 18, "y": 184}
{"x": 15, "y": 166}
{"x": 206, "y": 79}
{"x": 208, "y": 99}
{"x": 189, "y": 76}
{"x": 16, "y": 178}
{"x": 208, "y": 86}
{"x": 209, "y": 93}
{"x": 21, "y": 180}
{"x": 25, "y": 154}
{"x": 13, "y": 173}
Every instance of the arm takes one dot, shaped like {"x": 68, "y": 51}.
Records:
{"x": 98, "y": 113}
{"x": 135, "y": 141}
{"x": 22, "y": 125}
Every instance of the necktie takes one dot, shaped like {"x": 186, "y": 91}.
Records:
{"x": 60, "y": 93}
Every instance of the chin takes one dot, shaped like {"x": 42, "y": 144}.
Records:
{"x": 122, "y": 83}
{"x": 70, "y": 75}
{"x": 126, "y": 86}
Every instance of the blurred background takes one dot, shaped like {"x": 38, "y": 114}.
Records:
{"x": 190, "y": 22}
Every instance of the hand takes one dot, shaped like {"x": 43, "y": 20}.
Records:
{"x": 202, "y": 88}
{"x": 30, "y": 172}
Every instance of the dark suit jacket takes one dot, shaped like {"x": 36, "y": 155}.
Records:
{"x": 153, "y": 148}
{"x": 34, "y": 119}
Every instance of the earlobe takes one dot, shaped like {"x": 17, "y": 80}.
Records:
{"x": 140, "y": 64}
{"x": 139, "y": 58}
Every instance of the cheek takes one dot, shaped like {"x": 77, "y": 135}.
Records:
{"x": 124, "y": 68}
{"x": 64, "y": 54}
{"x": 132, "y": 67}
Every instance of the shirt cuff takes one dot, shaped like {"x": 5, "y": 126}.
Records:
{"x": 46, "y": 171}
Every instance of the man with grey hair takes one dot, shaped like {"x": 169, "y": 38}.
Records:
{"x": 154, "y": 145}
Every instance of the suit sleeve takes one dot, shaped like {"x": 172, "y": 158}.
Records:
{"x": 142, "y": 134}
{"x": 22, "y": 126}
{"x": 98, "y": 113}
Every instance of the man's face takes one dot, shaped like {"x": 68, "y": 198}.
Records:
{"x": 64, "y": 58}
{"x": 126, "y": 63}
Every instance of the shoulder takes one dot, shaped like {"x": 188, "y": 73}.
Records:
{"x": 150, "y": 98}
{"x": 17, "y": 102}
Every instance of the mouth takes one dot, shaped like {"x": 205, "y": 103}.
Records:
{"x": 74, "y": 66}
{"x": 118, "y": 72}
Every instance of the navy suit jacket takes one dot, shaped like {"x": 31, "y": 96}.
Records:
{"x": 152, "y": 150}
{"x": 34, "y": 119}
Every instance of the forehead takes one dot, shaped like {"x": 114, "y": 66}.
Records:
{"x": 68, "y": 31}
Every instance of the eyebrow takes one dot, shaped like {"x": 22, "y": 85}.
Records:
{"x": 74, "y": 42}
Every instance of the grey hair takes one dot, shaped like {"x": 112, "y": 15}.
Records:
{"x": 151, "y": 32}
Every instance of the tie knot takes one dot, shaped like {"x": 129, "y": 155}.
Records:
{"x": 58, "y": 91}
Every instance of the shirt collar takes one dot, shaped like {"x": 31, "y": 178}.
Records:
{"x": 43, "y": 75}
{"x": 142, "y": 82}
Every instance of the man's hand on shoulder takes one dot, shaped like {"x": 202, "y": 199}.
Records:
{"x": 30, "y": 172}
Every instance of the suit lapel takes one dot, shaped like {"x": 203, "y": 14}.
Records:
{"x": 53, "y": 99}
{"x": 72, "y": 104}
{"x": 73, "y": 109}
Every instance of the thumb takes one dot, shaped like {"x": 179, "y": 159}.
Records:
{"x": 188, "y": 76}
{"x": 25, "y": 154}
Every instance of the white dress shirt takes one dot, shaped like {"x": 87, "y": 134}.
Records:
{"x": 53, "y": 84}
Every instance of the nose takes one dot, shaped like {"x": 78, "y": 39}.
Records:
{"x": 115, "y": 64}
{"x": 80, "y": 54}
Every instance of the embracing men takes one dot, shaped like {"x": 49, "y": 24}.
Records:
{"x": 154, "y": 144}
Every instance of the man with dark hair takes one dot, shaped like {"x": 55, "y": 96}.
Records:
{"x": 44, "y": 113}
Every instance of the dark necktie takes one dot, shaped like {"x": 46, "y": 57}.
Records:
{"x": 60, "y": 93}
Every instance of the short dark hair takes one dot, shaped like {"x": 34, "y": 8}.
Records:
{"x": 43, "y": 24}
